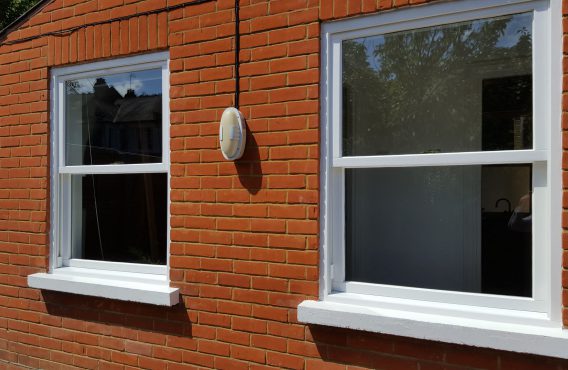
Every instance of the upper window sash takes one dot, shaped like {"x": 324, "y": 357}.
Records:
{"x": 124, "y": 65}
{"x": 423, "y": 17}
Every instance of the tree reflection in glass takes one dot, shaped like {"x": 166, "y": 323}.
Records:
{"x": 426, "y": 90}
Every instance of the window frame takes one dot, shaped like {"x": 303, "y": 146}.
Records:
{"x": 133, "y": 282}
{"x": 61, "y": 253}
{"x": 352, "y": 299}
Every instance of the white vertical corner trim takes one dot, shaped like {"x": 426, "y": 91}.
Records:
{"x": 324, "y": 254}
{"x": 54, "y": 260}
{"x": 532, "y": 325}
{"x": 554, "y": 255}
{"x": 166, "y": 149}
{"x": 124, "y": 281}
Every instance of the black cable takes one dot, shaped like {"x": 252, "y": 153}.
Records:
{"x": 237, "y": 52}
{"x": 73, "y": 29}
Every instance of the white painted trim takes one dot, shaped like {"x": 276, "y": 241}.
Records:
{"x": 554, "y": 253}
{"x": 325, "y": 260}
{"x": 65, "y": 209}
{"x": 115, "y": 169}
{"x": 509, "y": 323}
{"x": 144, "y": 288}
{"x": 427, "y": 15}
{"x": 457, "y": 311}
{"x": 535, "y": 339}
{"x": 54, "y": 198}
{"x": 443, "y": 159}
{"x": 540, "y": 239}
{"x": 336, "y": 97}
{"x": 421, "y": 295}
{"x": 541, "y": 82}
{"x": 166, "y": 149}
{"x": 135, "y": 277}
{"x": 112, "y": 66}
{"x": 59, "y": 97}
{"x": 118, "y": 266}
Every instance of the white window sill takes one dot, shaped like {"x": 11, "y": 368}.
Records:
{"x": 540, "y": 336}
{"x": 124, "y": 286}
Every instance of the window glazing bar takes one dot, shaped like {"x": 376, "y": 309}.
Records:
{"x": 114, "y": 169}
{"x": 443, "y": 159}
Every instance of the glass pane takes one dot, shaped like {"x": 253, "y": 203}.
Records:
{"x": 119, "y": 218}
{"x": 114, "y": 119}
{"x": 462, "y": 228}
{"x": 453, "y": 88}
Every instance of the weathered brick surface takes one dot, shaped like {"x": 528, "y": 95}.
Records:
{"x": 244, "y": 235}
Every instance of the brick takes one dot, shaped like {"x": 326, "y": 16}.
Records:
{"x": 248, "y": 354}
{"x": 284, "y": 360}
{"x": 244, "y": 235}
{"x": 249, "y": 325}
{"x": 268, "y": 82}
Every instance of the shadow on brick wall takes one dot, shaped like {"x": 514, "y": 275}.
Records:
{"x": 381, "y": 351}
{"x": 248, "y": 167}
{"x": 103, "y": 316}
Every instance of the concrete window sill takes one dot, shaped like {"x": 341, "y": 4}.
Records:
{"x": 124, "y": 286}
{"x": 544, "y": 338}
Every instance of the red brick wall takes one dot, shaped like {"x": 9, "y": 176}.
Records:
{"x": 244, "y": 235}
